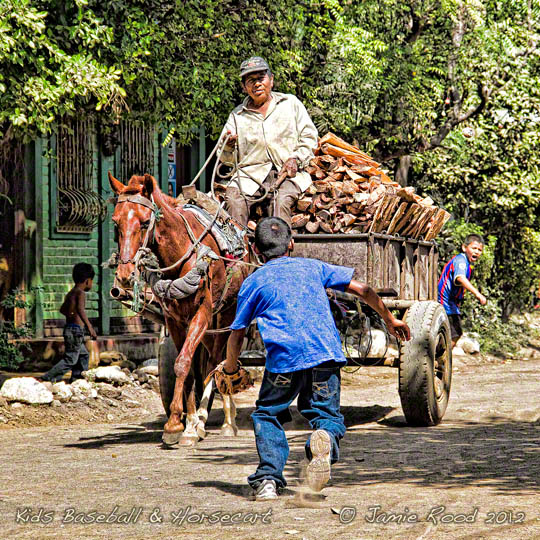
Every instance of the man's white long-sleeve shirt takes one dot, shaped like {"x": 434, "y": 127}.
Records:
{"x": 286, "y": 131}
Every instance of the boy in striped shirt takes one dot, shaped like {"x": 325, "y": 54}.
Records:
{"x": 455, "y": 278}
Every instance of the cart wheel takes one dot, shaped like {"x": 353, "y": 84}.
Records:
{"x": 425, "y": 367}
{"x": 166, "y": 356}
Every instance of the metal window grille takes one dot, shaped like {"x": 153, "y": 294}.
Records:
{"x": 80, "y": 208}
{"x": 136, "y": 149}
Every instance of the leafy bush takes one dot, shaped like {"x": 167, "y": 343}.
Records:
{"x": 11, "y": 351}
{"x": 496, "y": 336}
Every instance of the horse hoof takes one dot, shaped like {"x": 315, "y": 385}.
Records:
{"x": 201, "y": 431}
{"x": 229, "y": 431}
{"x": 170, "y": 439}
{"x": 189, "y": 440}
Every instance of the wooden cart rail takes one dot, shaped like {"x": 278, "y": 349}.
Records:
{"x": 403, "y": 268}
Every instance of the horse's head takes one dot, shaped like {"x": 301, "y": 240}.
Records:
{"x": 132, "y": 216}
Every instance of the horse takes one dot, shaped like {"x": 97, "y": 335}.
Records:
{"x": 174, "y": 233}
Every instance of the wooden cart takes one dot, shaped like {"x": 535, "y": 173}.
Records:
{"x": 404, "y": 273}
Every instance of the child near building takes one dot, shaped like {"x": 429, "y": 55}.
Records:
{"x": 73, "y": 308}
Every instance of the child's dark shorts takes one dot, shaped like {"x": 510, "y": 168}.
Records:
{"x": 455, "y": 326}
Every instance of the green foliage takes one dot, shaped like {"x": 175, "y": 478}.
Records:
{"x": 399, "y": 78}
{"x": 49, "y": 66}
{"x": 492, "y": 180}
{"x": 496, "y": 336}
{"x": 11, "y": 351}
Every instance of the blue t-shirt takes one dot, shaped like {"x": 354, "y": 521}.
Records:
{"x": 287, "y": 297}
{"x": 450, "y": 293}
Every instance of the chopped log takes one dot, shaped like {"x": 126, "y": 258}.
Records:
{"x": 312, "y": 226}
{"x": 336, "y": 141}
{"x": 387, "y": 213}
{"x": 407, "y": 193}
{"x": 413, "y": 219}
{"x": 299, "y": 221}
{"x": 350, "y": 187}
{"x": 377, "y": 194}
{"x": 352, "y": 157}
{"x": 303, "y": 204}
{"x": 361, "y": 197}
{"x": 412, "y": 210}
{"x": 325, "y": 198}
{"x": 437, "y": 224}
{"x": 397, "y": 216}
{"x": 348, "y": 219}
{"x": 326, "y": 227}
{"x": 353, "y": 176}
{"x": 423, "y": 219}
{"x": 335, "y": 176}
{"x": 355, "y": 208}
{"x": 321, "y": 185}
{"x": 422, "y": 227}
{"x": 427, "y": 201}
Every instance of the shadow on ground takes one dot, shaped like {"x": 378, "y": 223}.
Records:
{"x": 497, "y": 452}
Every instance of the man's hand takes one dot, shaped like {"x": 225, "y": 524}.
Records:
{"x": 399, "y": 329}
{"x": 234, "y": 345}
{"x": 482, "y": 299}
{"x": 93, "y": 334}
{"x": 232, "y": 140}
{"x": 290, "y": 167}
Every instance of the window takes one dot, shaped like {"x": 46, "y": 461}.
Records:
{"x": 78, "y": 207}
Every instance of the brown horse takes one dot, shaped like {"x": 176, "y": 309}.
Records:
{"x": 188, "y": 319}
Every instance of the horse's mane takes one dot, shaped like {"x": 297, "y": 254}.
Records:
{"x": 135, "y": 187}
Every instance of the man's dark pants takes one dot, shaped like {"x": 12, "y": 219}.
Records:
{"x": 318, "y": 390}
{"x": 238, "y": 206}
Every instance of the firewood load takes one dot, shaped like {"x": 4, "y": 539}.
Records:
{"x": 351, "y": 194}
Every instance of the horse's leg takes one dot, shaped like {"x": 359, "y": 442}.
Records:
{"x": 182, "y": 365}
{"x": 202, "y": 411}
{"x": 216, "y": 347}
{"x": 229, "y": 428}
{"x": 190, "y": 435}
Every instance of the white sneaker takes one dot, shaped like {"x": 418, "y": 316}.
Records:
{"x": 318, "y": 469}
{"x": 266, "y": 490}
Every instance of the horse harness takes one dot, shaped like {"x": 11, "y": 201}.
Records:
{"x": 207, "y": 256}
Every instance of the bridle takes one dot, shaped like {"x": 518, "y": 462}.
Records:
{"x": 155, "y": 216}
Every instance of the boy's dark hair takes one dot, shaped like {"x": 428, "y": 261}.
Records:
{"x": 473, "y": 238}
{"x": 272, "y": 237}
{"x": 82, "y": 271}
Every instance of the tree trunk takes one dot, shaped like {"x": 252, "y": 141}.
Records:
{"x": 402, "y": 170}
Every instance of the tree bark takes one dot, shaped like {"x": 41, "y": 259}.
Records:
{"x": 402, "y": 170}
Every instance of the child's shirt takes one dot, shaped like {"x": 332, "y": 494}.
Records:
{"x": 287, "y": 297}
{"x": 450, "y": 293}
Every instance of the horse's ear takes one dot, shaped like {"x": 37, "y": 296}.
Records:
{"x": 116, "y": 185}
{"x": 149, "y": 185}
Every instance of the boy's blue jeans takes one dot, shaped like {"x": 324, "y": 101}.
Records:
{"x": 75, "y": 358}
{"x": 318, "y": 391}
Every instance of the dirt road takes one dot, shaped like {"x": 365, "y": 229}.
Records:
{"x": 475, "y": 476}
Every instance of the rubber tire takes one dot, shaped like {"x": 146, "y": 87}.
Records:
{"x": 166, "y": 356}
{"x": 430, "y": 339}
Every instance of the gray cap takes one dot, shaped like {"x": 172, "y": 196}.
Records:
{"x": 255, "y": 63}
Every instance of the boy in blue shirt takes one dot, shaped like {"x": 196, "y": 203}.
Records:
{"x": 287, "y": 296}
{"x": 455, "y": 278}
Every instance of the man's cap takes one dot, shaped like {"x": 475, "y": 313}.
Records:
{"x": 255, "y": 63}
